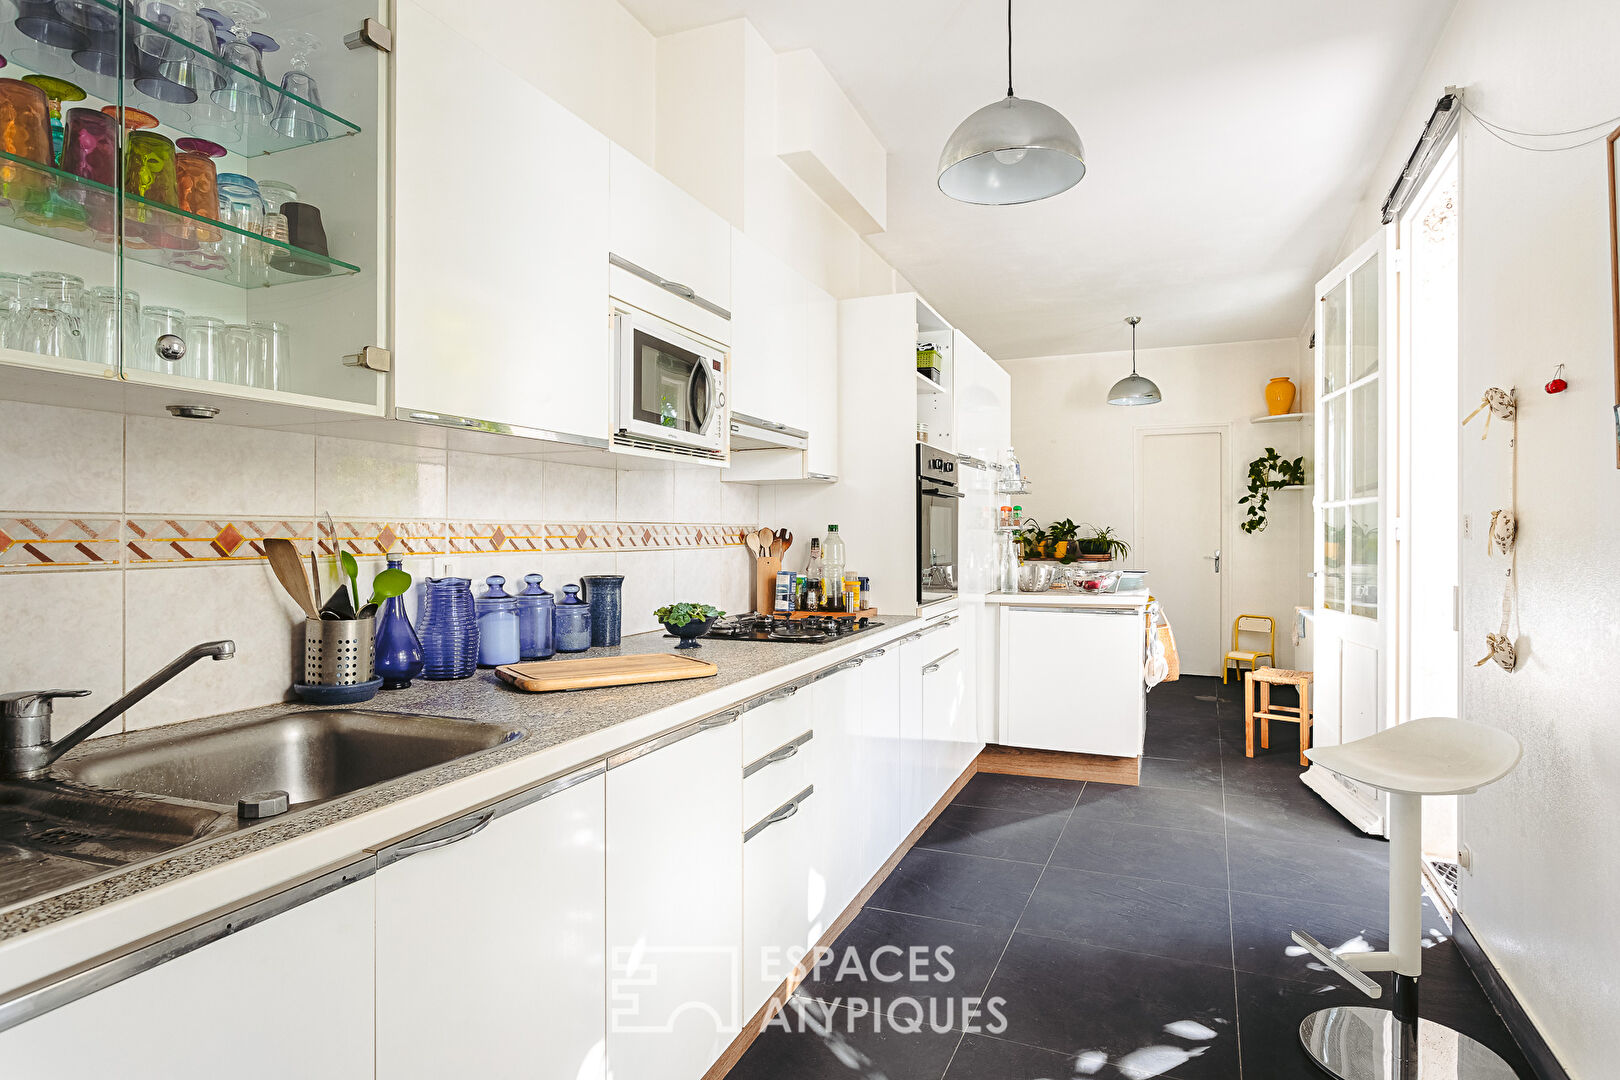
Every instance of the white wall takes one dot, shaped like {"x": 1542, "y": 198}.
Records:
{"x": 1080, "y": 452}
{"x": 1535, "y": 283}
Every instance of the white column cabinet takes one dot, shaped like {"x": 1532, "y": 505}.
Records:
{"x": 767, "y": 336}
{"x": 501, "y": 291}
{"x": 820, "y": 384}
{"x": 674, "y": 899}
{"x": 489, "y": 946}
{"x": 290, "y": 996}
{"x": 1044, "y": 706}
{"x": 660, "y": 228}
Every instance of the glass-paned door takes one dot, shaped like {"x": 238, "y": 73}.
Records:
{"x": 1351, "y": 521}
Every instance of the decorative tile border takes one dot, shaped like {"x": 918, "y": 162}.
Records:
{"x": 151, "y": 541}
{"x": 480, "y": 538}
{"x": 33, "y": 543}
{"x": 59, "y": 543}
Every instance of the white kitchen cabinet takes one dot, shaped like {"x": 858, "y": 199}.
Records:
{"x": 783, "y": 893}
{"x": 842, "y": 769}
{"x": 912, "y": 783}
{"x": 768, "y": 321}
{"x": 289, "y": 996}
{"x": 820, "y": 383}
{"x": 501, "y": 296}
{"x": 674, "y": 902}
{"x": 983, "y": 400}
{"x": 947, "y": 718}
{"x": 1072, "y": 679}
{"x": 489, "y": 946}
{"x": 665, "y": 231}
{"x": 879, "y": 679}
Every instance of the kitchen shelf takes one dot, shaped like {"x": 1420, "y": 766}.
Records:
{"x": 925, "y": 385}
{"x": 1013, "y": 487}
{"x": 203, "y": 118}
{"x": 1285, "y": 418}
{"x": 1296, "y": 487}
{"x": 62, "y": 206}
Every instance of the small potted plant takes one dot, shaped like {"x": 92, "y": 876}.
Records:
{"x": 688, "y": 621}
{"x": 1032, "y": 540}
{"x": 1062, "y": 535}
{"x": 1100, "y": 544}
{"x": 1267, "y": 473}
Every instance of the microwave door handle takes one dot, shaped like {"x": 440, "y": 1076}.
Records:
{"x": 702, "y": 415}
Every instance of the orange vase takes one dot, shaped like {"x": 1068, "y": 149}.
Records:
{"x": 1279, "y": 395}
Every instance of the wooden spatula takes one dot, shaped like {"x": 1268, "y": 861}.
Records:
{"x": 289, "y": 568}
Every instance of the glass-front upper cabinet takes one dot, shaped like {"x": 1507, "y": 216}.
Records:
{"x": 193, "y": 195}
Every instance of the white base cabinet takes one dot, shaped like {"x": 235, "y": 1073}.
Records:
{"x": 1072, "y": 679}
{"x": 287, "y": 997}
{"x": 674, "y": 902}
{"x": 489, "y": 947}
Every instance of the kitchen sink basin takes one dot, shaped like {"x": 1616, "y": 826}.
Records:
{"x": 313, "y": 756}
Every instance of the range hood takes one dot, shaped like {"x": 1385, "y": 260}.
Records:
{"x": 753, "y": 433}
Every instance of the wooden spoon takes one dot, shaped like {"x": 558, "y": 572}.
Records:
{"x": 289, "y": 568}
{"x": 762, "y": 543}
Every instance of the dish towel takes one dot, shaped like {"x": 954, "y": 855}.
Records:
{"x": 1163, "y": 663}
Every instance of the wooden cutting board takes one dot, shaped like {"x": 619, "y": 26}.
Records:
{"x": 542, "y": 676}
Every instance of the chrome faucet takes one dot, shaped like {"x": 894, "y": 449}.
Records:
{"x": 26, "y": 749}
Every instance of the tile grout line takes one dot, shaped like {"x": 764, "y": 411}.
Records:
{"x": 1231, "y": 915}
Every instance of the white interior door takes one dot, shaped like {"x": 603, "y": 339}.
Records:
{"x": 1353, "y": 526}
{"x": 1181, "y": 492}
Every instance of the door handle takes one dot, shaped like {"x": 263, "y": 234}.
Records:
{"x": 478, "y": 826}
{"x": 1217, "y": 558}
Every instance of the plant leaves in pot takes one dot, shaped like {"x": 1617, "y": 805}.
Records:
{"x": 1101, "y": 544}
{"x": 688, "y": 621}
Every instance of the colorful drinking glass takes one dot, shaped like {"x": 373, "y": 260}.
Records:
{"x": 25, "y": 132}
{"x": 133, "y": 119}
{"x": 90, "y": 150}
{"x": 199, "y": 194}
{"x": 56, "y": 91}
{"x": 149, "y": 172}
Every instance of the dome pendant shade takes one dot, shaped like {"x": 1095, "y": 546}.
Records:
{"x": 1134, "y": 389}
{"x": 1011, "y": 151}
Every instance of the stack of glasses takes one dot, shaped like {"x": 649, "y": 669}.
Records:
{"x": 448, "y": 629}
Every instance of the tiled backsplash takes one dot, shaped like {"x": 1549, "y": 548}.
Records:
{"x": 124, "y": 540}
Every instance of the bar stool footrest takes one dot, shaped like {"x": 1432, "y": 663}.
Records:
{"x": 1334, "y": 961}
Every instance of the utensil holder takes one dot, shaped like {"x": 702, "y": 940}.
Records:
{"x": 765, "y": 571}
{"x": 339, "y": 652}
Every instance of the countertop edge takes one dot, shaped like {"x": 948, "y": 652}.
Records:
{"x": 59, "y": 946}
{"x": 1135, "y": 599}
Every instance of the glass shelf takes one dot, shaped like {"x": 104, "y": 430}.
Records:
{"x": 202, "y": 118}
{"x": 1013, "y": 487}
{"x": 62, "y": 206}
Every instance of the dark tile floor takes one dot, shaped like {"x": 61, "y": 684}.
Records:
{"x": 1049, "y": 930}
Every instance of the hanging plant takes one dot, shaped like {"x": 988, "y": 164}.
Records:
{"x": 1267, "y": 473}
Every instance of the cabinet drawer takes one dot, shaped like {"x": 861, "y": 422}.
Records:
{"x": 776, "y": 776}
{"x": 779, "y": 924}
{"x": 781, "y": 716}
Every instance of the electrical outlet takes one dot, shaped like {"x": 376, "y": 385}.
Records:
{"x": 1468, "y": 526}
{"x": 444, "y": 566}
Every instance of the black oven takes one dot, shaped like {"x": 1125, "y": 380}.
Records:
{"x": 937, "y": 502}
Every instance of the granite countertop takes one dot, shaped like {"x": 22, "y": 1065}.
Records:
{"x": 553, "y": 722}
{"x": 1134, "y": 598}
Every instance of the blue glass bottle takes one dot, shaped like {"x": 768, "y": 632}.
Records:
{"x": 535, "y": 606}
{"x": 497, "y": 624}
{"x": 572, "y": 622}
{"x": 603, "y": 593}
{"x": 398, "y": 650}
{"x": 448, "y": 629}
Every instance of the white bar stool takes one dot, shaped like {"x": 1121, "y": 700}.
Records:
{"x": 1436, "y": 755}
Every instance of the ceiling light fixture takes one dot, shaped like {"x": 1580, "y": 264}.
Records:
{"x": 1011, "y": 151}
{"x": 1133, "y": 389}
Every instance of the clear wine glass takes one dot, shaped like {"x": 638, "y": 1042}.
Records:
{"x": 298, "y": 115}
{"x": 175, "y": 59}
{"x": 245, "y": 91}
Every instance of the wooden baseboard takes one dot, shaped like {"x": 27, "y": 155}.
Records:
{"x": 1019, "y": 761}
{"x": 778, "y": 1000}
{"x": 1534, "y": 1048}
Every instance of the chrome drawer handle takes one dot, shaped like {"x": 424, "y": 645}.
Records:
{"x": 783, "y": 814}
{"x": 782, "y": 754}
{"x": 445, "y": 841}
{"x": 677, "y": 288}
{"x": 930, "y": 669}
{"x": 717, "y": 721}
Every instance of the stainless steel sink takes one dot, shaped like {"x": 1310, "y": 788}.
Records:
{"x": 313, "y": 756}
{"x": 124, "y": 800}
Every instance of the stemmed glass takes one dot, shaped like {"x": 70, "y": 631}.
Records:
{"x": 175, "y": 54}
{"x": 52, "y": 39}
{"x": 295, "y": 118}
{"x": 245, "y": 91}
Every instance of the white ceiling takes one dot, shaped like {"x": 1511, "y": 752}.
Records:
{"x": 1226, "y": 144}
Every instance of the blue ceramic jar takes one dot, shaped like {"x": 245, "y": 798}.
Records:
{"x": 603, "y": 592}
{"x": 571, "y": 622}
{"x": 535, "y": 606}
{"x": 497, "y": 624}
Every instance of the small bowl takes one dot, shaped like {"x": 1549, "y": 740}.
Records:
{"x": 690, "y": 632}
{"x": 1036, "y": 576}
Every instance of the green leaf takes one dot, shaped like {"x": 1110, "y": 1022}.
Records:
{"x": 686, "y": 612}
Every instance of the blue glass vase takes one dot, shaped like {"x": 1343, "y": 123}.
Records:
{"x": 398, "y": 650}
{"x": 603, "y": 592}
{"x": 449, "y": 629}
{"x": 535, "y": 607}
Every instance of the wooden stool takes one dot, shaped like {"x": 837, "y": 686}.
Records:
{"x": 1268, "y": 677}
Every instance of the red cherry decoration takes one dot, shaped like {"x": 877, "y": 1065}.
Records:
{"x": 1557, "y": 385}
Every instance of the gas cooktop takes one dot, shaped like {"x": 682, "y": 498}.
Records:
{"x": 811, "y": 630}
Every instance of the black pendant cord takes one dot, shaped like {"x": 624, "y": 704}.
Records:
{"x": 1133, "y": 348}
{"x": 1009, "y": 49}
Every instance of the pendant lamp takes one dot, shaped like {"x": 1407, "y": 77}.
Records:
{"x": 1011, "y": 151}
{"x": 1133, "y": 389}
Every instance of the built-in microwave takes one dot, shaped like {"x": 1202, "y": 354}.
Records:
{"x": 671, "y": 386}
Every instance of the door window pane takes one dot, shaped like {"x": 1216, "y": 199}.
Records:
{"x": 1333, "y": 557}
{"x": 1333, "y": 339}
{"x": 1334, "y": 447}
{"x": 1364, "y": 300}
{"x": 1364, "y": 440}
{"x": 1363, "y": 542}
